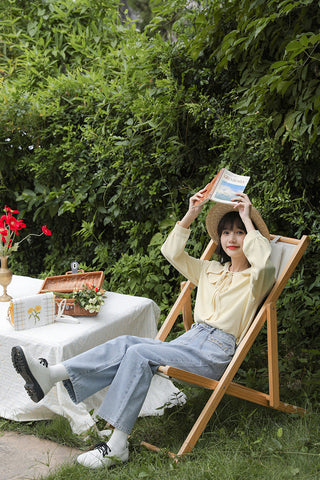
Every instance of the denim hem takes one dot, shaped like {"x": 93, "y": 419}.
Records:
{"x": 68, "y": 386}
{"x": 115, "y": 424}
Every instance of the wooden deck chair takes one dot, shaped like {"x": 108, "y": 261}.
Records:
{"x": 286, "y": 254}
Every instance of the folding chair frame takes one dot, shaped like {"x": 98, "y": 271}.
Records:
{"x": 268, "y": 313}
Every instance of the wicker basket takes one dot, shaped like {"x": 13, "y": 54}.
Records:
{"x": 67, "y": 283}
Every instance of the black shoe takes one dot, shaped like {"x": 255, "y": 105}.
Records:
{"x": 30, "y": 368}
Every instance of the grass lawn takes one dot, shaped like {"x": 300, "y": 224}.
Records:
{"x": 241, "y": 442}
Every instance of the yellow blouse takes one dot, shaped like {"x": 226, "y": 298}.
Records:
{"x": 224, "y": 300}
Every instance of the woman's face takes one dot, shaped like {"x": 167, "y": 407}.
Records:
{"x": 232, "y": 241}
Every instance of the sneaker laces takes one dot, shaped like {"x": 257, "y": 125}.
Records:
{"x": 43, "y": 362}
{"x": 103, "y": 448}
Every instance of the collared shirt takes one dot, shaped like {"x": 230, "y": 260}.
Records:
{"x": 225, "y": 300}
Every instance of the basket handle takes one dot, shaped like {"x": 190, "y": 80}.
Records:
{"x": 70, "y": 272}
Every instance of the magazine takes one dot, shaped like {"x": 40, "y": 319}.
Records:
{"x": 224, "y": 186}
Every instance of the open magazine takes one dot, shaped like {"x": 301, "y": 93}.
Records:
{"x": 224, "y": 186}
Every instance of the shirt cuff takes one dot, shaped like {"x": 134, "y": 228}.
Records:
{"x": 182, "y": 231}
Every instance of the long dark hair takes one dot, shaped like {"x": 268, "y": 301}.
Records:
{"x": 227, "y": 222}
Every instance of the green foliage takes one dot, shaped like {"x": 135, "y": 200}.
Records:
{"x": 113, "y": 152}
{"x": 273, "y": 50}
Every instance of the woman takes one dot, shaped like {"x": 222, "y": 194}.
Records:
{"x": 227, "y": 298}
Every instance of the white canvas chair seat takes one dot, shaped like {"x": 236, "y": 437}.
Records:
{"x": 286, "y": 254}
{"x": 280, "y": 254}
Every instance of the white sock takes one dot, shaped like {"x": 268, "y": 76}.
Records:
{"x": 118, "y": 441}
{"x": 58, "y": 373}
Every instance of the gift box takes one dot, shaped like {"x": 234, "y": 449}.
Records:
{"x": 68, "y": 283}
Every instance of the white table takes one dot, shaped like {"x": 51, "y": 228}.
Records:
{"x": 121, "y": 314}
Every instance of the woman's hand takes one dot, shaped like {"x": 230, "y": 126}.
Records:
{"x": 244, "y": 207}
{"x": 194, "y": 201}
{"x": 194, "y": 208}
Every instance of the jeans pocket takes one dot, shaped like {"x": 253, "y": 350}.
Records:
{"x": 226, "y": 345}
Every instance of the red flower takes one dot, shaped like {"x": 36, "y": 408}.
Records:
{"x": 13, "y": 224}
{"x": 10, "y": 227}
{"x": 46, "y": 230}
{"x": 21, "y": 224}
{"x": 3, "y": 220}
{"x": 10, "y": 210}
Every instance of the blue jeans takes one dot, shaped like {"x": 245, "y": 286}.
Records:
{"x": 127, "y": 364}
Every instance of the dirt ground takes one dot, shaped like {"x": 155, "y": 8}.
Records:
{"x": 26, "y": 457}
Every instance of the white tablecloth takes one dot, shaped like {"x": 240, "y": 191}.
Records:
{"x": 121, "y": 314}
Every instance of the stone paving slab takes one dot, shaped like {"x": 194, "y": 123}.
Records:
{"x": 26, "y": 457}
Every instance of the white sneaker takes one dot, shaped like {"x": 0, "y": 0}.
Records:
{"x": 34, "y": 371}
{"x": 102, "y": 456}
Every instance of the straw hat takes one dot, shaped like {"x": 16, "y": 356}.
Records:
{"x": 220, "y": 209}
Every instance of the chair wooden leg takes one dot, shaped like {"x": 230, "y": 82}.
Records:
{"x": 273, "y": 363}
{"x": 153, "y": 448}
